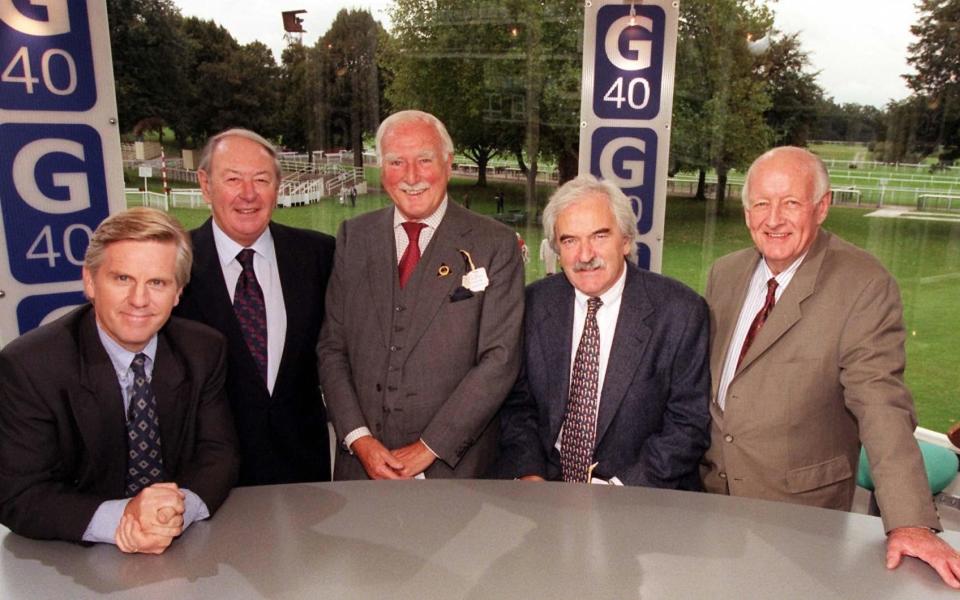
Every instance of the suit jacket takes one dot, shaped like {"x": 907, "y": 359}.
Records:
{"x": 824, "y": 374}
{"x": 653, "y": 418}
{"x": 433, "y": 361}
{"x": 63, "y": 446}
{"x": 283, "y": 436}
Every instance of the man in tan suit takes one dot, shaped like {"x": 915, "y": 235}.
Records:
{"x": 807, "y": 356}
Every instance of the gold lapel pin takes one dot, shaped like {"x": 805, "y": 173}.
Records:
{"x": 443, "y": 271}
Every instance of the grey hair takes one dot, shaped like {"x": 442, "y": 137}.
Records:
{"x": 410, "y": 116}
{"x": 581, "y": 187}
{"x": 821, "y": 178}
{"x": 206, "y": 155}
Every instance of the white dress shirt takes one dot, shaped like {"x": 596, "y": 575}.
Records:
{"x": 268, "y": 275}
{"x": 756, "y": 297}
{"x": 607, "y": 316}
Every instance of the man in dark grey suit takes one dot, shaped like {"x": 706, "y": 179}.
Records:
{"x": 271, "y": 374}
{"x": 114, "y": 425}
{"x": 630, "y": 407}
{"x": 421, "y": 339}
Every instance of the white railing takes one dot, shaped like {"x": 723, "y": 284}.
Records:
{"x": 294, "y": 193}
{"x": 187, "y": 199}
{"x": 152, "y": 199}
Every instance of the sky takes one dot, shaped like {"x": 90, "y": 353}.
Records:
{"x": 858, "y": 46}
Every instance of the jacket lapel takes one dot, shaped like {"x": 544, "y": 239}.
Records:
{"x": 629, "y": 343}
{"x": 432, "y": 291}
{"x": 727, "y": 312}
{"x": 554, "y": 332}
{"x": 167, "y": 383}
{"x": 291, "y": 280}
{"x": 786, "y": 312}
{"x": 382, "y": 266}
{"x": 98, "y": 408}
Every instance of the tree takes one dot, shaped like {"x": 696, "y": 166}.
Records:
{"x": 720, "y": 101}
{"x": 349, "y": 89}
{"x": 208, "y": 44}
{"x": 935, "y": 57}
{"x": 149, "y": 52}
{"x": 793, "y": 91}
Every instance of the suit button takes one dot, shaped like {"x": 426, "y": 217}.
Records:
{"x": 722, "y": 475}
{"x": 378, "y": 387}
{"x": 398, "y": 308}
{"x": 394, "y": 348}
{"x": 728, "y": 438}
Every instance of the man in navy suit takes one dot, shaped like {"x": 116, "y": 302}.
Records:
{"x": 271, "y": 374}
{"x": 630, "y": 407}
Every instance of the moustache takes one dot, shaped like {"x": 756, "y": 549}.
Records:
{"x": 413, "y": 189}
{"x": 594, "y": 263}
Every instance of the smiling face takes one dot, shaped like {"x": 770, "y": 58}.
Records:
{"x": 133, "y": 290}
{"x": 592, "y": 247}
{"x": 782, "y": 214}
{"x": 241, "y": 188}
{"x": 415, "y": 168}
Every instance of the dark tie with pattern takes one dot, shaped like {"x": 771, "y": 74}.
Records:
{"x": 411, "y": 256}
{"x": 251, "y": 311}
{"x": 760, "y": 319}
{"x": 144, "y": 458}
{"x": 580, "y": 422}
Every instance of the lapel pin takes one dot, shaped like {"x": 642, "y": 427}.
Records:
{"x": 443, "y": 271}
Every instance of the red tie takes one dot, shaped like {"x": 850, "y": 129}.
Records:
{"x": 760, "y": 319}
{"x": 411, "y": 256}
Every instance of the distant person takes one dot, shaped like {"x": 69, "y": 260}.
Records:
{"x": 615, "y": 382}
{"x": 422, "y": 337}
{"x": 807, "y": 355}
{"x": 262, "y": 285}
{"x": 353, "y": 197}
{"x": 548, "y": 256}
{"x": 524, "y": 251}
{"x": 114, "y": 424}
{"x": 500, "y": 199}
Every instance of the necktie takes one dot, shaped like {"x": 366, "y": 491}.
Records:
{"x": 760, "y": 319}
{"x": 144, "y": 459}
{"x": 580, "y": 422}
{"x": 251, "y": 312}
{"x": 411, "y": 256}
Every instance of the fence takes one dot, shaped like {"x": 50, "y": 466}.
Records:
{"x": 187, "y": 199}
{"x": 151, "y": 199}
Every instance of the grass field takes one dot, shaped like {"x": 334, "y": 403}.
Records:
{"x": 923, "y": 256}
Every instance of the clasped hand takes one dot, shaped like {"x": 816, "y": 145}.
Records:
{"x": 151, "y": 520}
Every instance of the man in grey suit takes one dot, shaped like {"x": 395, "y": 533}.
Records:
{"x": 420, "y": 343}
{"x": 646, "y": 415}
{"x": 807, "y": 355}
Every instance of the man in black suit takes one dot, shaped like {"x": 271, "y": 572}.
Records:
{"x": 114, "y": 425}
{"x": 262, "y": 285}
{"x": 615, "y": 382}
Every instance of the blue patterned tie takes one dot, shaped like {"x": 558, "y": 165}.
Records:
{"x": 144, "y": 458}
{"x": 580, "y": 422}
{"x": 251, "y": 312}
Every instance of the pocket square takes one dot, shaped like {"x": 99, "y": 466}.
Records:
{"x": 461, "y": 293}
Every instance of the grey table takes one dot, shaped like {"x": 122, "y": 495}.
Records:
{"x": 485, "y": 539}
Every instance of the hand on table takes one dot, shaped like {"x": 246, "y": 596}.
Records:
{"x": 926, "y": 545}
{"x": 151, "y": 520}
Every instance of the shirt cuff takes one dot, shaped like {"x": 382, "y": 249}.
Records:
{"x": 427, "y": 446}
{"x": 355, "y": 435}
{"x": 103, "y": 526}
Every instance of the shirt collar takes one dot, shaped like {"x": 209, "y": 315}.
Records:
{"x": 432, "y": 221}
{"x": 784, "y": 276}
{"x": 120, "y": 356}
{"x": 608, "y": 297}
{"x": 228, "y": 249}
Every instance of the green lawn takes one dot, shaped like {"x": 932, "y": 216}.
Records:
{"x": 923, "y": 256}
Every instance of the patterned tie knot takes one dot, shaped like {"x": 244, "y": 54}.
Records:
{"x": 593, "y": 305}
{"x": 245, "y": 258}
{"x": 413, "y": 229}
{"x": 138, "y": 366}
{"x": 772, "y": 286}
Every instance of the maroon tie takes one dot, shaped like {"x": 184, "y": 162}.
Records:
{"x": 411, "y": 256}
{"x": 251, "y": 311}
{"x": 580, "y": 422}
{"x": 760, "y": 319}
